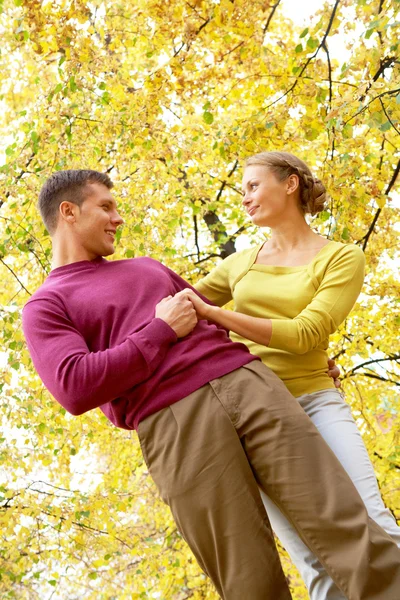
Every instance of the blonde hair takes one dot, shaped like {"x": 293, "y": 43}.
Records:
{"x": 283, "y": 164}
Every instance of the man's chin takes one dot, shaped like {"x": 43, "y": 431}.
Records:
{"x": 108, "y": 251}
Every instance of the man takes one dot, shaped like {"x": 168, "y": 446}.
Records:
{"x": 213, "y": 422}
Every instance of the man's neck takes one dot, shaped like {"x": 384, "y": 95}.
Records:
{"x": 65, "y": 254}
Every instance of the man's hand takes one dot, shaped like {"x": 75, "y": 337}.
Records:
{"x": 178, "y": 312}
{"x": 203, "y": 309}
{"x": 334, "y": 372}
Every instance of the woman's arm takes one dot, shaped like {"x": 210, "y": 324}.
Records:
{"x": 218, "y": 286}
{"x": 330, "y": 305}
{"x": 253, "y": 328}
{"x": 215, "y": 286}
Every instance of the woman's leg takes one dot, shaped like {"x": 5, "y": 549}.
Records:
{"x": 332, "y": 416}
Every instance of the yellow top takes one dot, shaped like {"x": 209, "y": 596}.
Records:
{"x": 306, "y": 304}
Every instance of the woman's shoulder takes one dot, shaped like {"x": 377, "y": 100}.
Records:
{"x": 339, "y": 248}
{"x": 242, "y": 258}
{"x": 337, "y": 255}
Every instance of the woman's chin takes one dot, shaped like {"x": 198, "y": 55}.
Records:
{"x": 259, "y": 221}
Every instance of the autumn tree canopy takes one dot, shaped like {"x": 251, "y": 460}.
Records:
{"x": 169, "y": 98}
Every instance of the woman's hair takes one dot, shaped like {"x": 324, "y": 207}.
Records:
{"x": 283, "y": 164}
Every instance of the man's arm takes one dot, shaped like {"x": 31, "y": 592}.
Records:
{"x": 81, "y": 380}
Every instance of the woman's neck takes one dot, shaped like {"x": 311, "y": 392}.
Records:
{"x": 291, "y": 235}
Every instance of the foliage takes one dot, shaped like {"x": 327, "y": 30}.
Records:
{"x": 169, "y": 98}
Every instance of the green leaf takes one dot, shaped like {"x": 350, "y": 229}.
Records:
{"x": 72, "y": 84}
{"x": 385, "y": 126}
{"x": 304, "y": 33}
{"x": 347, "y": 131}
{"x": 377, "y": 117}
{"x": 369, "y": 33}
{"x": 298, "y": 49}
{"x": 312, "y": 43}
{"x": 208, "y": 117}
{"x": 345, "y": 234}
{"x": 312, "y": 134}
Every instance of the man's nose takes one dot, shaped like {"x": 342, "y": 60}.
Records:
{"x": 117, "y": 219}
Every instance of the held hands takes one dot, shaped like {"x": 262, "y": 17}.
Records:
{"x": 178, "y": 312}
{"x": 203, "y": 309}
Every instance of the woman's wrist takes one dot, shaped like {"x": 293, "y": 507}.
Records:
{"x": 212, "y": 312}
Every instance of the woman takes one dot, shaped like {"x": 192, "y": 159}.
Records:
{"x": 291, "y": 293}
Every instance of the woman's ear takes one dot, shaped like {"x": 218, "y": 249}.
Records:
{"x": 292, "y": 183}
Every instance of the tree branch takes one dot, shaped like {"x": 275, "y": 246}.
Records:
{"x": 378, "y": 212}
{"x": 387, "y": 93}
{"x": 374, "y": 376}
{"x": 16, "y": 276}
{"x": 275, "y": 6}
{"x": 388, "y": 118}
{"x": 310, "y": 58}
{"x": 395, "y": 357}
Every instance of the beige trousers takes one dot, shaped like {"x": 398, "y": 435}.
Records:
{"x": 209, "y": 452}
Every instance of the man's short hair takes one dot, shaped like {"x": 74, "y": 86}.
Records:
{"x": 70, "y": 186}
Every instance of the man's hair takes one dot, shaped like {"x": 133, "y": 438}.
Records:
{"x": 70, "y": 186}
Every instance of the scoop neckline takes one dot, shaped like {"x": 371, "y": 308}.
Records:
{"x": 287, "y": 267}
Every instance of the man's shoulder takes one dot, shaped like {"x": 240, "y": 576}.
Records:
{"x": 45, "y": 292}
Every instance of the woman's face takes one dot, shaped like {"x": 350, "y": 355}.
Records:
{"x": 265, "y": 198}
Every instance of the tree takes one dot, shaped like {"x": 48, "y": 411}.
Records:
{"x": 169, "y": 98}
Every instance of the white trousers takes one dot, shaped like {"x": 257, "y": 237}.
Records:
{"x": 332, "y": 417}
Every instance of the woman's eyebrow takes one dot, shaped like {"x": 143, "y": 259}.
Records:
{"x": 249, "y": 182}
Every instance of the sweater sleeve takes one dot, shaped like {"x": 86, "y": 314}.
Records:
{"x": 216, "y": 285}
{"x": 81, "y": 380}
{"x": 332, "y": 302}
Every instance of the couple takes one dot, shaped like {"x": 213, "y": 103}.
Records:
{"x": 214, "y": 423}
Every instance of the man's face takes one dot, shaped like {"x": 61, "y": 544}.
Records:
{"x": 96, "y": 223}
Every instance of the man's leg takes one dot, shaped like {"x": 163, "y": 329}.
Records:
{"x": 195, "y": 457}
{"x": 300, "y": 473}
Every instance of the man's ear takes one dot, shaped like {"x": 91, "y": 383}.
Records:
{"x": 68, "y": 211}
{"x": 292, "y": 183}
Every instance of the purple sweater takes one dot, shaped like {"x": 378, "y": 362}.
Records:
{"x": 94, "y": 340}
